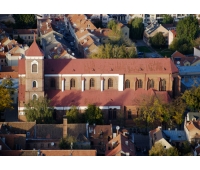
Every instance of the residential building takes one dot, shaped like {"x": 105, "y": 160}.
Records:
{"x": 197, "y": 51}
{"x": 167, "y": 138}
{"x": 190, "y": 77}
{"x": 197, "y": 150}
{"x": 26, "y": 34}
{"x": 2, "y": 60}
{"x": 99, "y": 135}
{"x": 172, "y": 35}
{"x": 152, "y": 29}
{"x": 192, "y": 127}
{"x": 120, "y": 146}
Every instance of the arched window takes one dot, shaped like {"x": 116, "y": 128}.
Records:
{"x": 34, "y": 68}
{"x": 139, "y": 83}
{"x": 162, "y": 85}
{"x": 53, "y": 83}
{"x": 35, "y": 97}
{"x": 150, "y": 84}
{"x": 34, "y": 83}
{"x": 110, "y": 83}
{"x": 127, "y": 84}
{"x": 72, "y": 83}
{"x": 91, "y": 82}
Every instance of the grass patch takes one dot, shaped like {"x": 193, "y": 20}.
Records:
{"x": 143, "y": 49}
{"x": 164, "y": 52}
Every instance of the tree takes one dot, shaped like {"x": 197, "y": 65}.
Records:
{"x": 8, "y": 84}
{"x": 167, "y": 19}
{"x": 112, "y": 24}
{"x": 159, "y": 150}
{"x": 183, "y": 45}
{"x": 5, "y": 99}
{"x": 20, "y": 40}
{"x": 73, "y": 115}
{"x": 68, "y": 143}
{"x": 188, "y": 28}
{"x": 136, "y": 28}
{"x": 39, "y": 110}
{"x": 25, "y": 21}
{"x": 158, "y": 40}
{"x": 192, "y": 98}
{"x": 114, "y": 51}
{"x": 185, "y": 148}
{"x": 93, "y": 114}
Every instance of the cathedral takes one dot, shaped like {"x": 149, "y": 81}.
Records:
{"x": 114, "y": 85}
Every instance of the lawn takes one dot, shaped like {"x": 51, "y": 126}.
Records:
{"x": 165, "y": 52}
{"x": 143, "y": 49}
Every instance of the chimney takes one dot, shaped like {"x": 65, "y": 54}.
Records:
{"x": 0, "y": 147}
{"x": 101, "y": 31}
{"x": 117, "y": 128}
{"x": 126, "y": 142}
{"x": 64, "y": 127}
{"x": 127, "y": 154}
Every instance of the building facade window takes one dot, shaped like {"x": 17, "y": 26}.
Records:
{"x": 110, "y": 83}
{"x": 112, "y": 114}
{"x": 53, "y": 83}
{"x": 34, "y": 83}
{"x": 162, "y": 85}
{"x": 138, "y": 84}
{"x": 72, "y": 83}
{"x": 127, "y": 84}
{"x": 35, "y": 97}
{"x": 34, "y": 68}
{"x": 150, "y": 84}
{"x": 129, "y": 114}
{"x": 91, "y": 82}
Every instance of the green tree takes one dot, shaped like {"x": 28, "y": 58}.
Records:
{"x": 20, "y": 40}
{"x": 39, "y": 110}
{"x": 185, "y": 148}
{"x": 7, "y": 83}
{"x": 158, "y": 40}
{"x": 167, "y": 19}
{"x": 112, "y": 24}
{"x": 93, "y": 114}
{"x": 136, "y": 28}
{"x": 5, "y": 99}
{"x": 159, "y": 150}
{"x": 114, "y": 51}
{"x": 188, "y": 28}
{"x": 182, "y": 45}
{"x": 25, "y": 21}
{"x": 68, "y": 143}
{"x": 73, "y": 115}
{"x": 192, "y": 98}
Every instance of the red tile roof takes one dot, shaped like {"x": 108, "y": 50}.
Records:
{"x": 122, "y": 146}
{"x": 183, "y": 58}
{"x": 106, "y": 98}
{"x": 174, "y": 33}
{"x": 110, "y": 66}
{"x": 34, "y": 50}
{"x": 21, "y": 64}
{"x": 48, "y": 152}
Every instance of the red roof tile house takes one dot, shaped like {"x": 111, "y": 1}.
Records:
{"x": 120, "y": 146}
{"x": 112, "y": 84}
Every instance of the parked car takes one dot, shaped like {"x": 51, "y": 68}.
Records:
{"x": 154, "y": 56}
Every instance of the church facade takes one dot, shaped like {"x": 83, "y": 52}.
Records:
{"x": 115, "y": 85}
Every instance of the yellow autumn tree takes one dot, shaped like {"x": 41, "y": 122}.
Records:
{"x": 5, "y": 99}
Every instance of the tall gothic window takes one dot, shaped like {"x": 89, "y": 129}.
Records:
{"x": 162, "y": 85}
{"x": 110, "y": 83}
{"x": 127, "y": 84}
{"x": 72, "y": 83}
{"x": 34, "y": 84}
{"x": 91, "y": 82}
{"x": 34, "y": 68}
{"x": 150, "y": 84}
